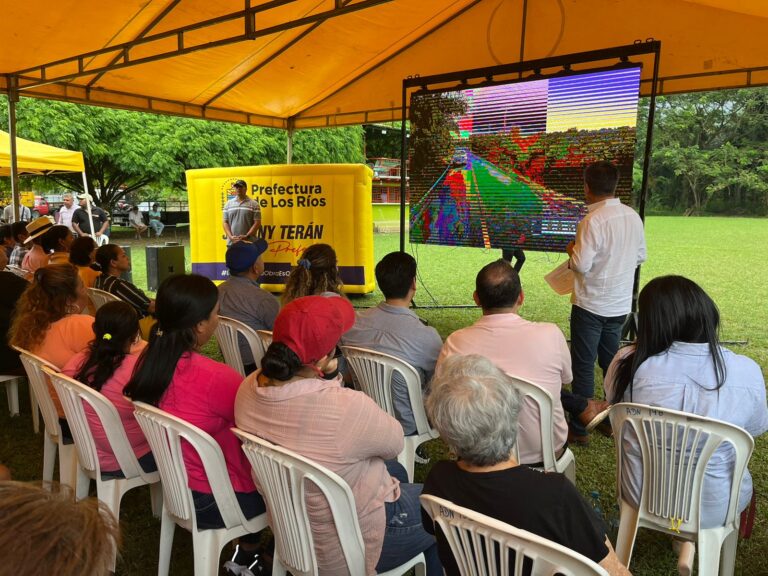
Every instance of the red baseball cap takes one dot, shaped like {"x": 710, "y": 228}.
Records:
{"x": 312, "y": 326}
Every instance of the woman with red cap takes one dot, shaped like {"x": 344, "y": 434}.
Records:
{"x": 297, "y": 401}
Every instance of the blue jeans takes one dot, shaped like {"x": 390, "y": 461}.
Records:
{"x": 593, "y": 337}
{"x": 405, "y": 536}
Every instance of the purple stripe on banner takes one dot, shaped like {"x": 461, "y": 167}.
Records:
{"x": 275, "y": 272}
{"x": 212, "y": 270}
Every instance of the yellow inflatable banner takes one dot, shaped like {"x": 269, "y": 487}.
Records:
{"x": 301, "y": 205}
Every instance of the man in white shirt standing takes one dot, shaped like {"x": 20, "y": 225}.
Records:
{"x": 64, "y": 216}
{"x": 609, "y": 246}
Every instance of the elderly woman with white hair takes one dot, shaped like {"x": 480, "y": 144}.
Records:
{"x": 475, "y": 407}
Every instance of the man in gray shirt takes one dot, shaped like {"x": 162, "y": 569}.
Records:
{"x": 393, "y": 328}
{"x": 242, "y": 215}
{"x": 242, "y": 298}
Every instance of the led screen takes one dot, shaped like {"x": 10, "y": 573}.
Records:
{"x": 501, "y": 166}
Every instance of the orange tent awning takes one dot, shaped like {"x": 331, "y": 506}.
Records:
{"x": 315, "y": 63}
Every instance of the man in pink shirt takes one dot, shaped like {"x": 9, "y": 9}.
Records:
{"x": 535, "y": 351}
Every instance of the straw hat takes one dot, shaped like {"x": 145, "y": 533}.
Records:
{"x": 38, "y": 227}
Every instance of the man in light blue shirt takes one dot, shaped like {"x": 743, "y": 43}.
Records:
{"x": 393, "y": 328}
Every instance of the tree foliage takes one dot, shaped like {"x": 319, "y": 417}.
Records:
{"x": 126, "y": 152}
{"x": 710, "y": 152}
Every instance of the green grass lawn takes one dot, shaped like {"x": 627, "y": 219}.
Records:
{"x": 727, "y": 256}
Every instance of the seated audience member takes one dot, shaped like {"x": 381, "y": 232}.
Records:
{"x": 393, "y": 328}
{"x": 6, "y": 235}
{"x": 173, "y": 375}
{"x": 11, "y": 289}
{"x": 48, "y": 320}
{"x": 677, "y": 362}
{"x": 316, "y": 273}
{"x": 47, "y": 531}
{"x": 535, "y": 351}
{"x": 20, "y": 235}
{"x": 242, "y": 298}
{"x": 57, "y": 243}
{"x": 136, "y": 221}
{"x": 475, "y": 407}
{"x": 154, "y": 221}
{"x": 36, "y": 257}
{"x": 114, "y": 261}
{"x": 82, "y": 254}
{"x": 106, "y": 366}
{"x": 297, "y": 401}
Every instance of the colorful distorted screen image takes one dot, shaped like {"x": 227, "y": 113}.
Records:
{"x": 502, "y": 166}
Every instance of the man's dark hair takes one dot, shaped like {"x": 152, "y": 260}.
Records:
{"x": 18, "y": 228}
{"x": 5, "y": 231}
{"x": 601, "y": 178}
{"x": 395, "y": 273}
{"x": 497, "y": 285}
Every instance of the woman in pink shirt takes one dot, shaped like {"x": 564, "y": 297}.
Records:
{"x": 297, "y": 401}
{"x": 106, "y": 366}
{"x": 172, "y": 375}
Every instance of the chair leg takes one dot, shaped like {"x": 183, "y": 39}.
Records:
{"x": 12, "y": 390}
{"x": 82, "y": 484}
{"x": 728, "y": 555}
{"x": 50, "y": 448}
{"x": 207, "y": 548}
{"x": 156, "y": 495}
{"x": 68, "y": 465}
{"x": 167, "y": 528}
{"x": 625, "y": 541}
{"x": 570, "y": 471}
{"x": 277, "y": 567}
{"x": 408, "y": 457}
{"x": 709, "y": 553}
{"x": 35, "y": 410}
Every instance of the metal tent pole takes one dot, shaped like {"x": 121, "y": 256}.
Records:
{"x": 13, "y": 97}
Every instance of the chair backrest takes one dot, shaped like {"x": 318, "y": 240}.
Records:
{"x": 100, "y": 297}
{"x": 165, "y": 434}
{"x": 675, "y": 448}
{"x": 33, "y": 365}
{"x": 543, "y": 400}
{"x": 18, "y": 270}
{"x": 283, "y": 477}
{"x": 228, "y": 334}
{"x": 374, "y": 371}
{"x": 482, "y": 546}
{"x": 266, "y": 339}
{"x": 74, "y": 395}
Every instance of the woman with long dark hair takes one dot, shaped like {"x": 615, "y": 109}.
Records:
{"x": 172, "y": 375}
{"x": 316, "y": 273}
{"x": 297, "y": 401}
{"x": 106, "y": 366}
{"x": 677, "y": 362}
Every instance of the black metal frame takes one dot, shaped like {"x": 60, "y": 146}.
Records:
{"x": 486, "y": 76}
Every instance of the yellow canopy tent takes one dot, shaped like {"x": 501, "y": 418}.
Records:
{"x": 314, "y": 63}
{"x": 37, "y": 158}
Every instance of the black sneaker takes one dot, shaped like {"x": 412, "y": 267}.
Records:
{"x": 244, "y": 563}
{"x": 421, "y": 456}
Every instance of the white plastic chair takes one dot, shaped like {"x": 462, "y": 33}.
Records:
{"x": 165, "y": 434}
{"x": 228, "y": 334}
{"x": 52, "y": 439}
{"x": 266, "y": 338}
{"x": 12, "y": 390}
{"x": 469, "y": 532}
{"x": 283, "y": 477}
{"x": 100, "y": 297}
{"x": 74, "y": 395}
{"x": 566, "y": 464}
{"x": 673, "y": 480}
{"x": 374, "y": 372}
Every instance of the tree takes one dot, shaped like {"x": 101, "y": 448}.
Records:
{"x": 127, "y": 151}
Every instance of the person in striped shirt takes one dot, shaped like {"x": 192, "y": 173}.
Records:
{"x": 114, "y": 261}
